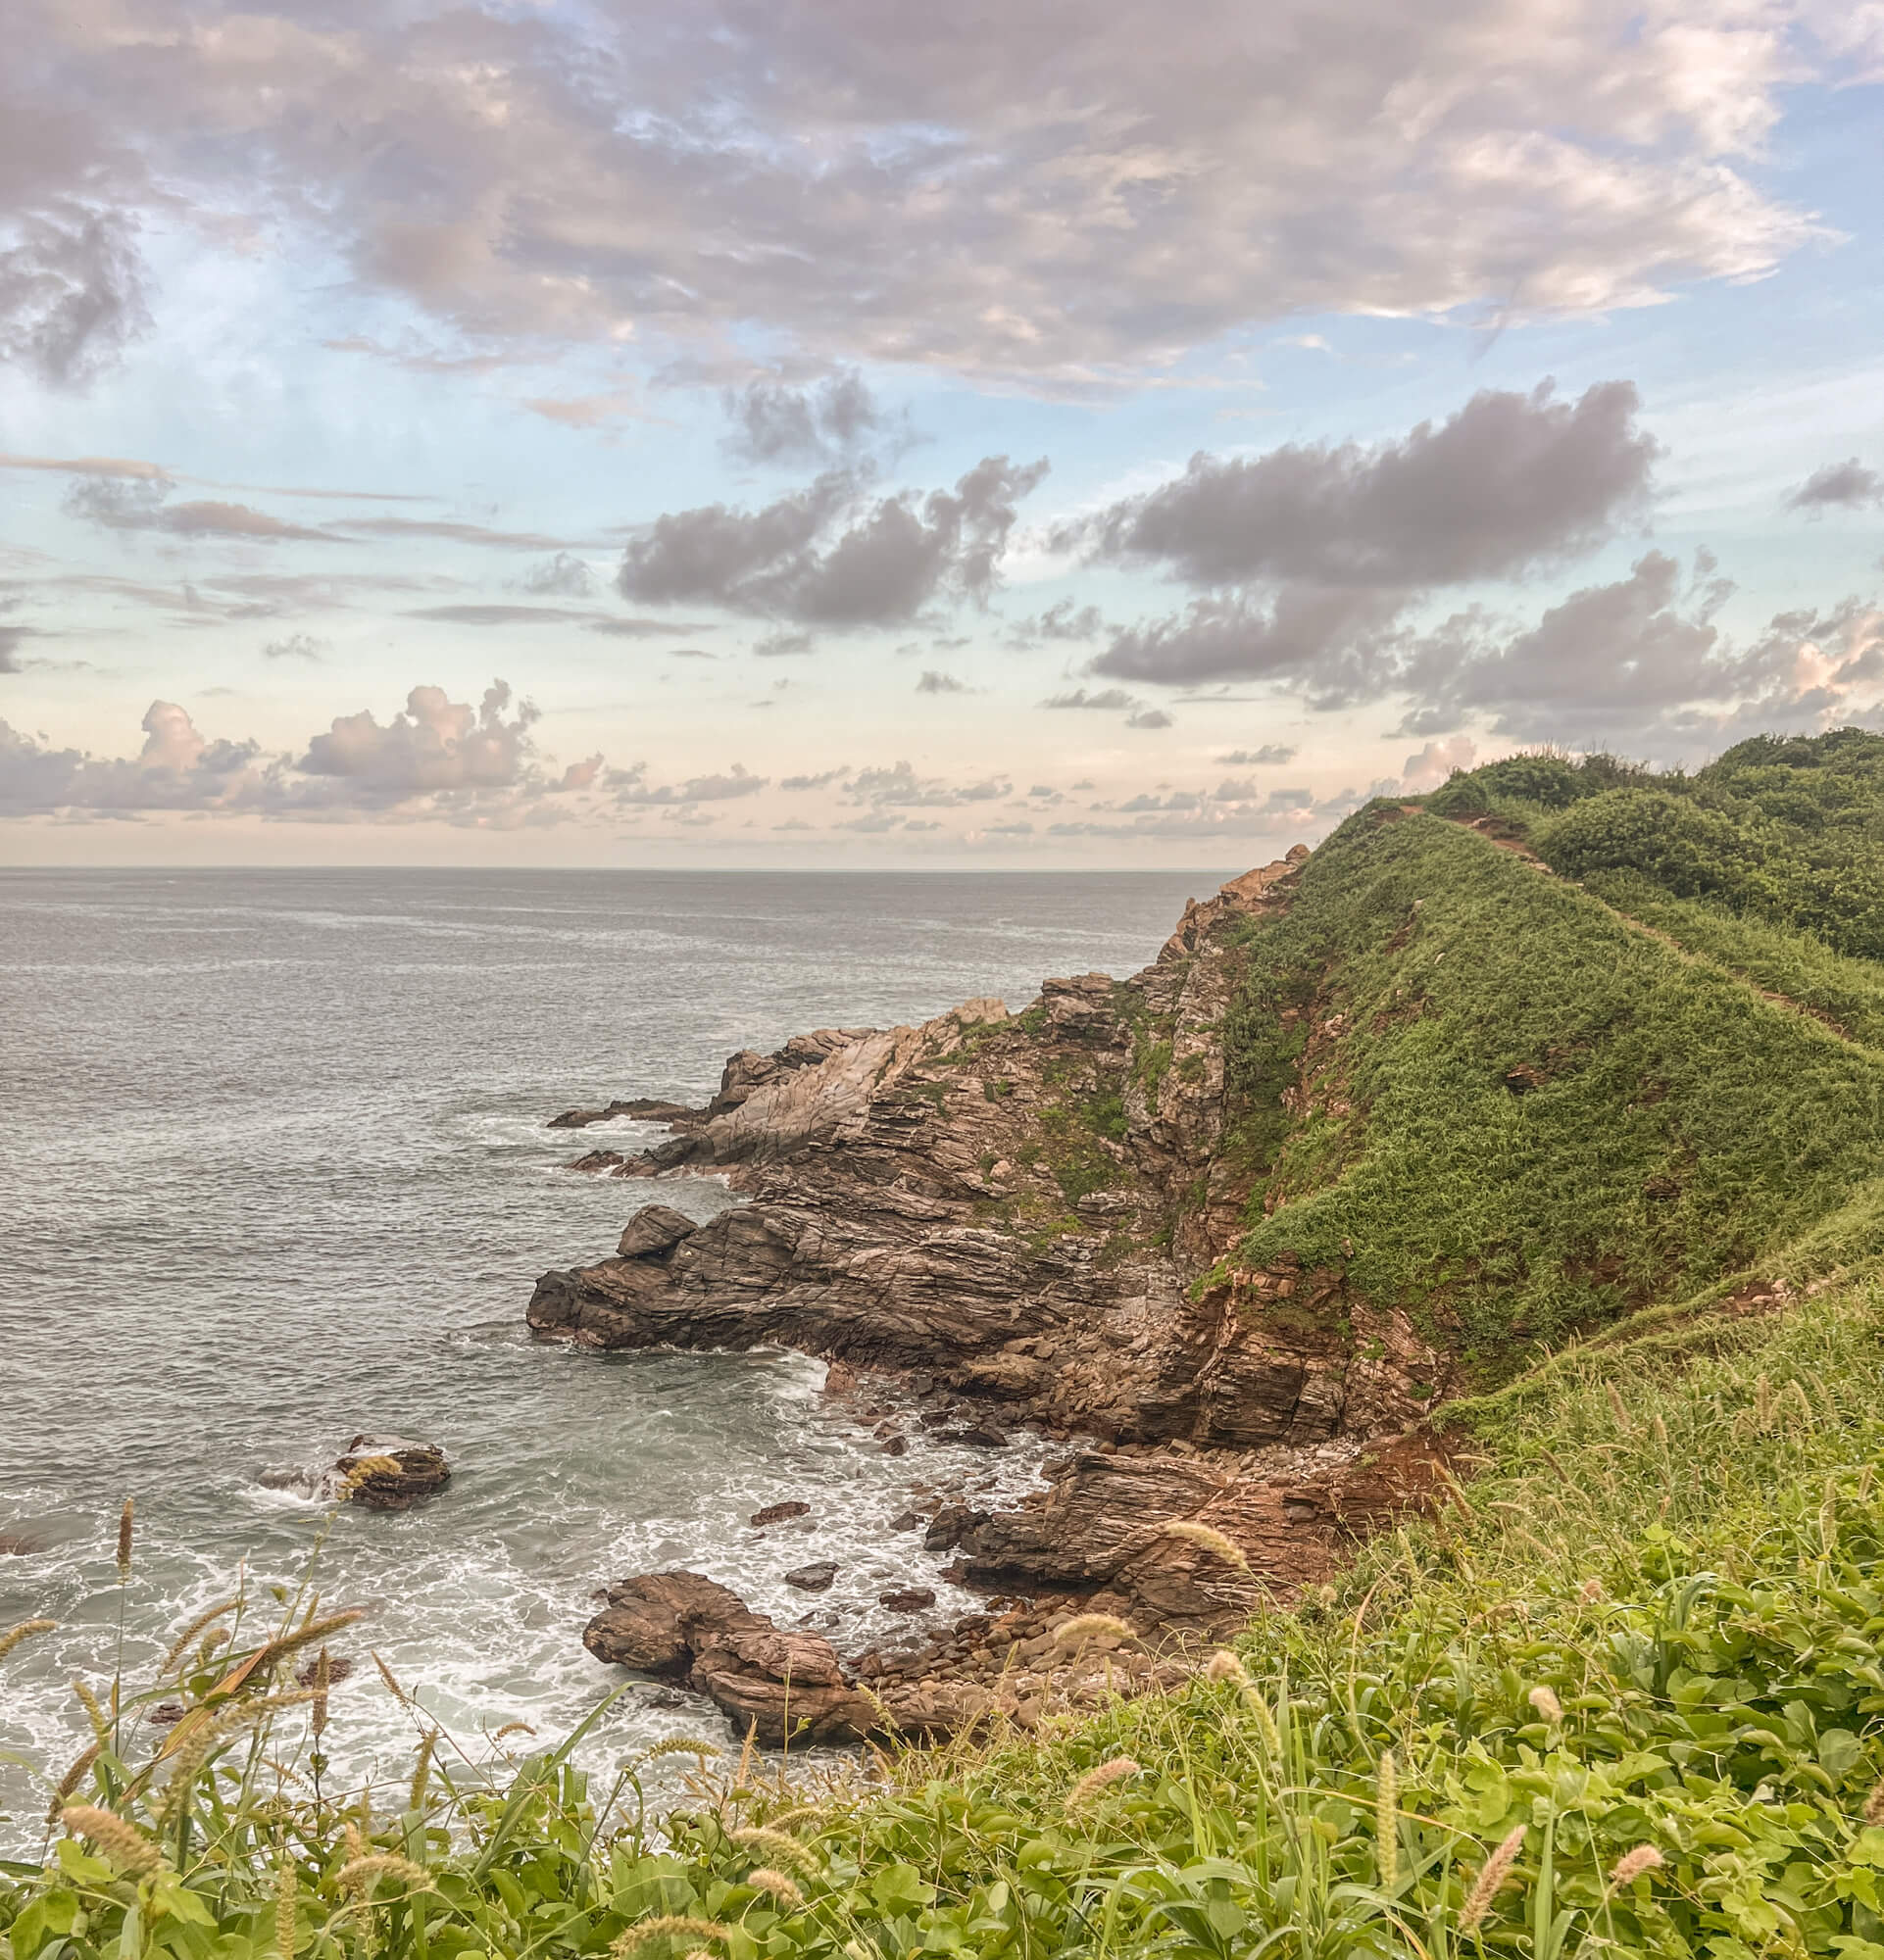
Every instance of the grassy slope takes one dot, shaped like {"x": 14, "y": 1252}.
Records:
{"x": 1674, "y": 1127}
{"x": 1652, "y": 1624}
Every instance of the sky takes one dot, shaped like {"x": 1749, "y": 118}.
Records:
{"x": 859, "y": 434}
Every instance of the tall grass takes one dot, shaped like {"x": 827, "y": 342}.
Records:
{"x": 1625, "y": 1693}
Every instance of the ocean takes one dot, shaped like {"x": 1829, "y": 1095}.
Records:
{"x": 275, "y": 1171}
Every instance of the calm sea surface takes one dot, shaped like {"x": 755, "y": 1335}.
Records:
{"x": 274, "y": 1170}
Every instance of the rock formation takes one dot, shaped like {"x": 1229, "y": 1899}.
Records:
{"x": 1035, "y": 1213}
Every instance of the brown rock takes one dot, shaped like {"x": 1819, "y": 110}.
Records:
{"x": 910, "y": 1599}
{"x": 777, "y": 1514}
{"x": 412, "y": 1472}
{"x": 814, "y": 1578}
{"x": 652, "y": 1229}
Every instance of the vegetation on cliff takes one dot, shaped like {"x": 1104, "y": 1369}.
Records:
{"x": 1609, "y": 1127}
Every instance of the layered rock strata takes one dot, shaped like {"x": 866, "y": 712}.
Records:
{"x": 1036, "y": 1213}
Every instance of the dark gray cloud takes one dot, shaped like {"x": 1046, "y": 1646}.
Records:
{"x": 775, "y": 422}
{"x": 989, "y": 190}
{"x": 1507, "y": 482}
{"x": 1327, "y": 642}
{"x": 831, "y": 555}
{"x": 1148, "y": 717}
{"x": 1310, "y": 554}
{"x": 940, "y": 683}
{"x": 816, "y": 782}
{"x": 1846, "y": 487}
{"x": 1641, "y": 664}
{"x": 1064, "y": 620}
{"x": 1269, "y": 753}
{"x": 10, "y": 641}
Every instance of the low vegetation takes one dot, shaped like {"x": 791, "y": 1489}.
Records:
{"x": 1612, "y": 1134}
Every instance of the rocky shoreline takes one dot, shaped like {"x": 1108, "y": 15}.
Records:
{"x": 1022, "y": 1219}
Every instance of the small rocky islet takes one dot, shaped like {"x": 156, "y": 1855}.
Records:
{"x": 1022, "y": 1219}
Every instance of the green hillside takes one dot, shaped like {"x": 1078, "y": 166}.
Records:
{"x": 1584, "y": 1069}
{"x": 1482, "y": 1093}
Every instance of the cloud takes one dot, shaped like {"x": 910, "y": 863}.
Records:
{"x": 1105, "y": 699}
{"x": 899, "y": 787}
{"x": 436, "y": 759}
{"x": 1505, "y": 484}
{"x": 141, "y": 504}
{"x": 10, "y": 639}
{"x": 564, "y": 577}
{"x": 1148, "y": 717}
{"x": 821, "y": 781}
{"x": 89, "y": 466}
{"x": 1640, "y": 664}
{"x": 478, "y": 614}
{"x": 651, "y": 629}
{"x": 1269, "y": 753}
{"x": 1310, "y": 554}
{"x": 862, "y": 181}
{"x": 176, "y": 769}
{"x": 295, "y": 646}
{"x": 1846, "y": 485}
{"x": 773, "y": 423}
{"x": 940, "y": 683}
{"x": 830, "y": 555}
{"x": 586, "y": 411}
{"x": 72, "y": 291}
{"x": 1429, "y": 766}
{"x": 434, "y": 744}
{"x": 1328, "y": 642}
{"x": 452, "y": 532}
{"x": 631, "y": 787}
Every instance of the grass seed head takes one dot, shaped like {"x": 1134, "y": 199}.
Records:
{"x": 1225, "y": 1666}
{"x": 360, "y": 1875}
{"x": 121, "y": 1841}
{"x": 667, "y": 1925}
{"x": 1632, "y": 1864}
{"x": 288, "y": 1889}
{"x": 182, "y": 1644}
{"x": 783, "y": 1850}
{"x": 1095, "y": 1780}
{"x": 766, "y": 1879}
{"x": 1207, "y": 1539}
{"x": 1873, "y": 1812}
{"x": 1497, "y": 1868}
{"x": 23, "y": 1631}
{"x": 124, "y": 1530}
{"x": 1546, "y": 1703}
{"x": 1386, "y": 1820}
{"x": 69, "y": 1782}
{"x": 1093, "y": 1627}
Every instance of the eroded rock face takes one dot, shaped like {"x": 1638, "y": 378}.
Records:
{"x": 1021, "y": 1208}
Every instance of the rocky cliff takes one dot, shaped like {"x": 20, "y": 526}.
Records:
{"x": 1030, "y": 1213}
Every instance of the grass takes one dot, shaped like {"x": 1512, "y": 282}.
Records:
{"x": 1648, "y": 1635}
{"x": 1522, "y": 1114}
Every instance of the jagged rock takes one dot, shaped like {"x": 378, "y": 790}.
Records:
{"x": 681, "y": 1626}
{"x": 419, "y": 1471}
{"x": 652, "y": 1229}
{"x": 816, "y": 1577}
{"x": 777, "y": 1514}
{"x": 1015, "y": 1210}
{"x": 908, "y": 1599}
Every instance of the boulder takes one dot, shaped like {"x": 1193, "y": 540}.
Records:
{"x": 908, "y": 1599}
{"x": 652, "y": 1229}
{"x": 777, "y": 1514}
{"x": 402, "y": 1474}
{"x": 777, "y": 1685}
{"x": 814, "y": 1578}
